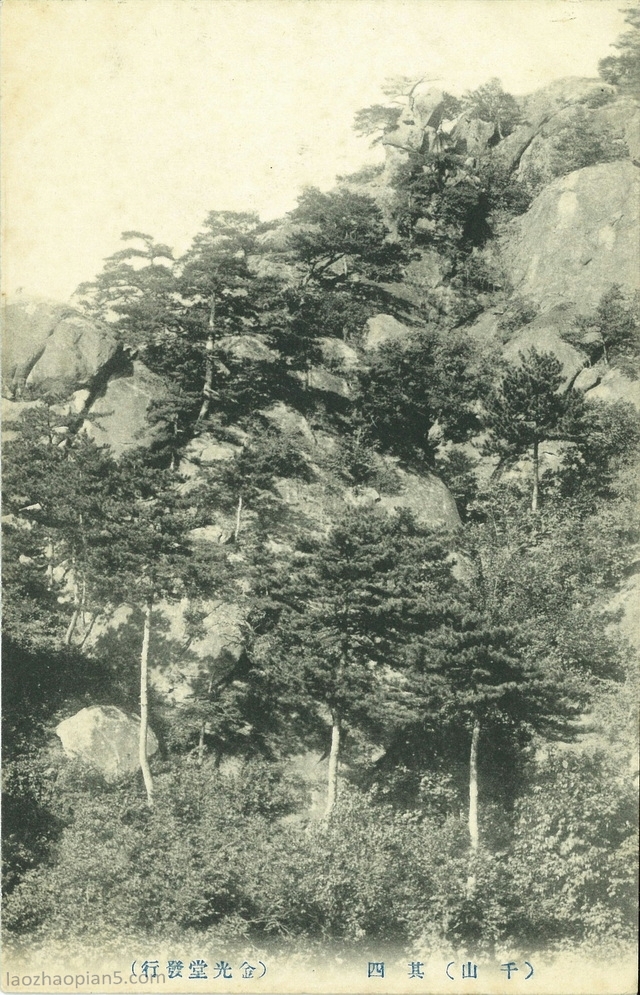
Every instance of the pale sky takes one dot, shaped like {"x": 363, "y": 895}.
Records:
{"x": 147, "y": 114}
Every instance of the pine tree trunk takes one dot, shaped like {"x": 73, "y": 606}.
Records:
{"x": 203, "y": 729}
{"x": 238, "y": 519}
{"x": 536, "y": 477}
{"x": 334, "y": 755}
{"x": 474, "y": 835}
{"x": 72, "y": 627}
{"x": 201, "y": 743}
{"x": 49, "y": 556}
{"x": 76, "y": 605}
{"x": 144, "y": 705}
{"x": 208, "y": 373}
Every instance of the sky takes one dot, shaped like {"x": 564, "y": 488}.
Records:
{"x": 146, "y": 114}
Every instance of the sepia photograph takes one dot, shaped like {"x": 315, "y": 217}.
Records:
{"x": 320, "y": 511}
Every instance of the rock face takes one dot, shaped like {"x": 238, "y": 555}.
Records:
{"x": 27, "y": 324}
{"x": 105, "y": 738}
{"x": 544, "y": 334}
{"x": 540, "y": 110}
{"x": 215, "y": 653}
{"x": 579, "y": 237}
{"x": 427, "y": 497}
{"x": 49, "y": 347}
{"x": 612, "y": 387}
{"x": 74, "y": 354}
{"x": 572, "y": 128}
{"x": 381, "y": 329}
{"x": 120, "y": 418}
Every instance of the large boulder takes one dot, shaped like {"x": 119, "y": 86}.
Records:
{"x": 252, "y": 347}
{"x": 320, "y": 378}
{"x": 426, "y": 496}
{"x": 382, "y": 329}
{"x": 316, "y": 504}
{"x": 51, "y": 348}
{"x": 27, "y": 324}
{"x": 120, "y": 417}
{"x": 420, "y": 120}
{"x": 105, "y": 738}
{"x": 289, "y": 422}
{"x": 544, "y": 333}
{"x": 75, "y": 353}
{"x": 427, "y": 105}
{"x": 475, "y": 133}
{"x": 579, "y": 237}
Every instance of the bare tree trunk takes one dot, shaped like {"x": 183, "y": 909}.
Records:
{"x": 76, "y": 605}
{"x": 474, "y": 834}
{"x": 72, "y": 626}
{"x": 203, "y": 728}
{"x": 208, "y": 373}
{"x": 334, "y": 755}
{"x": 201, "y": 744}
{"x": 49, "y": 556}
{"x": 144, "y": 704}
{"x": 238, "y": 519}
{"x": 89, "y": 630}
{"x": 536, "y": 477}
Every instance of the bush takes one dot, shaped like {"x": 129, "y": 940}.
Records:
{"x": 573, "y": 861}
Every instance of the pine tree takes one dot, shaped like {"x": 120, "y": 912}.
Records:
{"x": 529, "y": 408}
{"x": 144, "y": 556}
{"x": 136, "y": 291}
{"x": 214, "y": 281}
{"x": 336, "y": 619}
{"x": 409, "y": 387}
{"x": 490, "y": 103}
{"x": 624, "y": 70}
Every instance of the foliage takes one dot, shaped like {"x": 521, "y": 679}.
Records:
{"x": 573, "y": 852}
{"x": 529, "y": 407}
{"x": 490, "y": 103}
{"x": 411, "y": 385}
{"x": 376, "y": 120}
{"x": 612, "y": 331}
{"x": 609, "y": 444}
{"x": 344, "y": 229}
{"x": 136, "y": 291}
{"x": 623, "y": 70}
{"x": 342, "y": 609}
